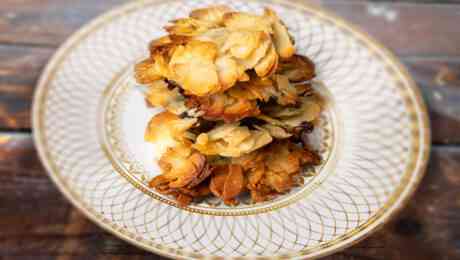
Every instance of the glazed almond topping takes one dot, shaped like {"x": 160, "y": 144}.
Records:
{"x": 238, "y": 103}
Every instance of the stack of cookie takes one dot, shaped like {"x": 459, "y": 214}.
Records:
{"x": 238, "y": 106}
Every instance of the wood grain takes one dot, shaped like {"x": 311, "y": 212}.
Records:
{"x": 35, "y": 219}
{"x": 46, "y": 22}
{"x": 407, "y": 29}
{"x": 20, "y": 68}
{"x": 439, "y": 81}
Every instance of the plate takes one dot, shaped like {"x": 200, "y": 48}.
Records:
{"x": 89, "y": 117}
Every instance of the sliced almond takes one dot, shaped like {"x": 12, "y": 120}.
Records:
{"x": 297, "y": 68}
{"x": 228, "y": 72}
{"x": 240, "y": 44}
{"x": 268, "y": 64}
{"x": 194, "y": 69}
{"x": 276, "y": 131}
{"x": 258, "y": 54}
{"x": 160, "y": 95}
{"x": 167, "y": 130}
{"x": 213, "y": 14}
{"x": 244, "y": 21}
{"x": 283, "y": 43}
{"x": 310, "y": 111}
{"x": 234, "y": 183}
{"x": 189, "y": 26}
{"x": 218, "y": 180}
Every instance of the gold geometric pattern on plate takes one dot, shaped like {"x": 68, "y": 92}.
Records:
{"x": 382, "y": 139}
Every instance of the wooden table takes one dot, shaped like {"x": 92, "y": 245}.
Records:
{"x": 36, "y": 222}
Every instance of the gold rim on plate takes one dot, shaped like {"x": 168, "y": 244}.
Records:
{"x": 393, "y": 205}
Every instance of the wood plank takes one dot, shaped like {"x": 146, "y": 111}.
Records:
{"x": 439, "y": 79}
{"x": 46, "y": 22}
{"x": 405, "y": 28}
{"x": 20, "y": 68}
{"x": 35, "y": 219}
{"x": 428, "y": 228}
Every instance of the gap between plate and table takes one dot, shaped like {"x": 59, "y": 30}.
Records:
{"x": 36, "y": 220}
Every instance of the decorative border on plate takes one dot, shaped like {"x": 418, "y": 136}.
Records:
{"x": 412, "y": 176}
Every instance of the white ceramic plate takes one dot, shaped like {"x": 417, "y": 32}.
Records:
{"x": 89, "y": 121}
